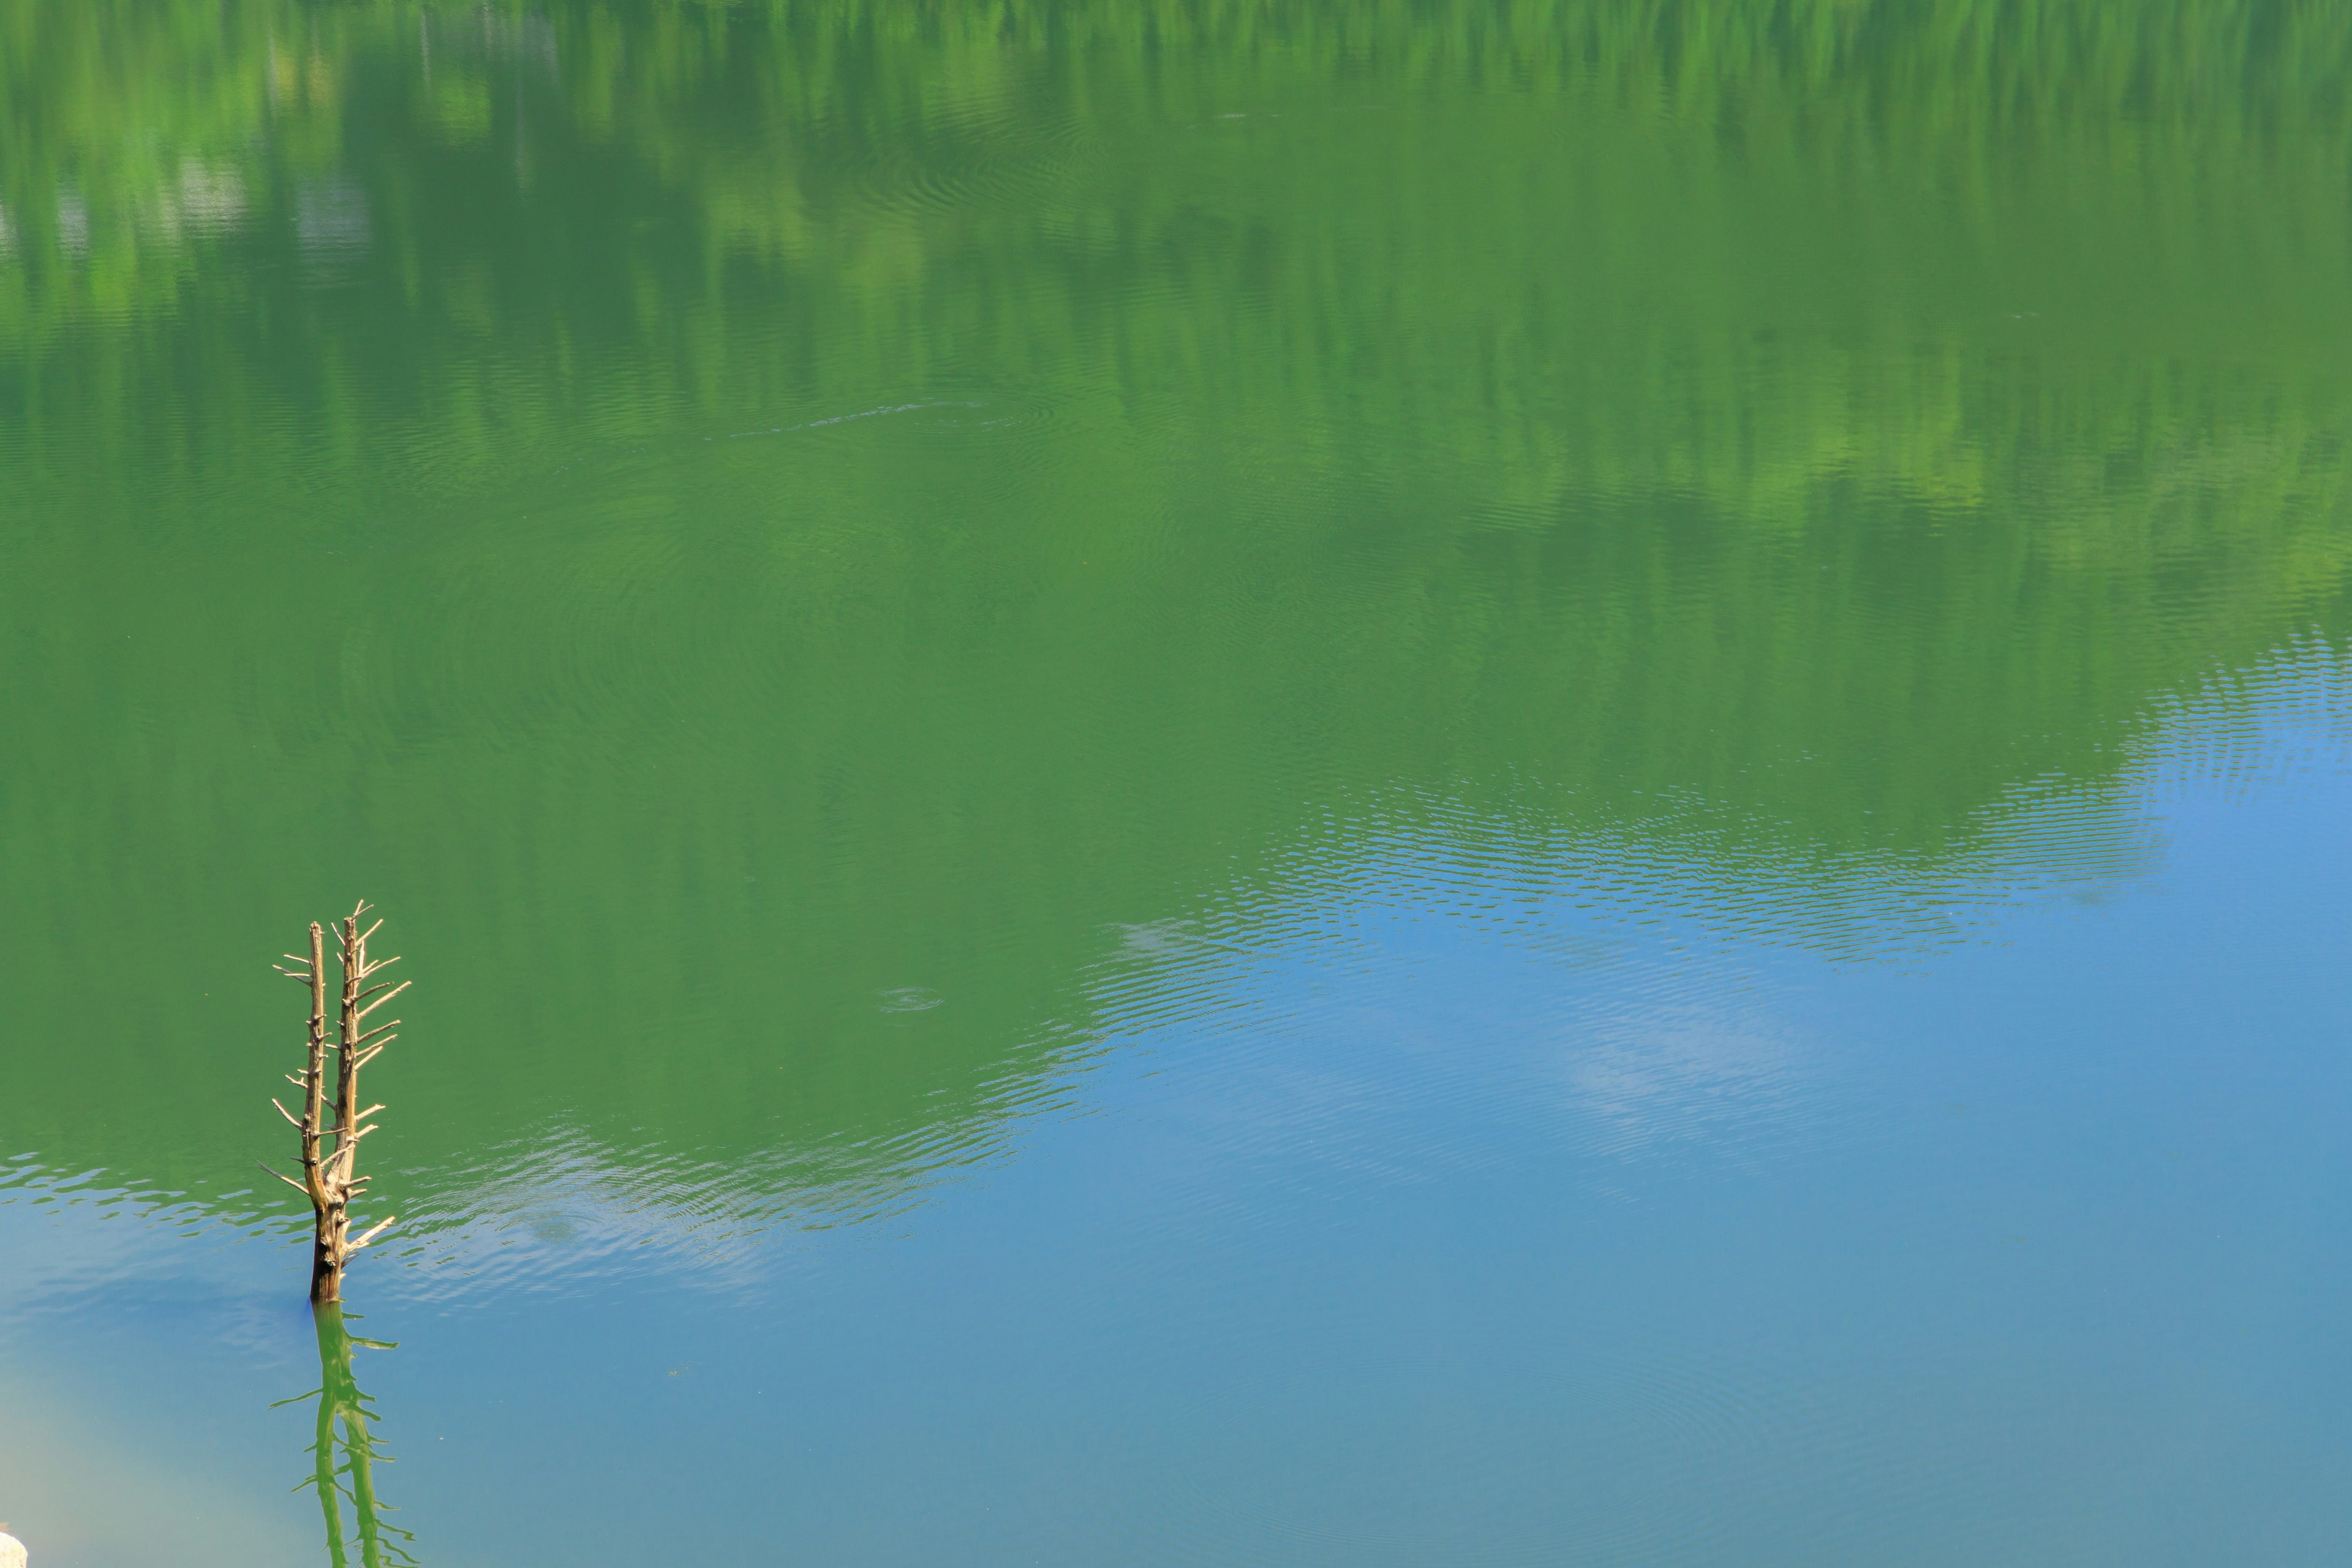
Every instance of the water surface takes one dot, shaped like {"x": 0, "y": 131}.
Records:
{"x": 1271, "y": 784}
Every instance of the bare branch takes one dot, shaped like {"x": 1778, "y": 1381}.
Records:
{"x": 288, "y": 1179}
{"x": 375, "y": 1231}
{"x": 291, "y": 1120}
{"x": 380, "y": 1000}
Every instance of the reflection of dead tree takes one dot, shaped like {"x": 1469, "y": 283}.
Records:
{"x": 330, "y": 1174}
{"x": 349, "y": 1476}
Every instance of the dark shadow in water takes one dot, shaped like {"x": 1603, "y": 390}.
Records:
{"x": 343, "y": 1460}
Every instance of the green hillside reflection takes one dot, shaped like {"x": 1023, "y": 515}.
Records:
{"x": 763, "y": 537}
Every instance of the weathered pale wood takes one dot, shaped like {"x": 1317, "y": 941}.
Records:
{"x": 326, "y": 1268}
{"x": 331, "y": 1129}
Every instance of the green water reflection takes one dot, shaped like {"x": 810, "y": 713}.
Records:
{"x": 768, "y": 536}
{"x": 345, "y": 1454}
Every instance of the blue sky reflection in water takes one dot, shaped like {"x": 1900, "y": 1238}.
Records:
{"x": 1538, "y": 784}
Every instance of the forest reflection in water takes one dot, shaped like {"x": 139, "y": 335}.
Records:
{"x": 989, "y": 506}
{"x": 1376, "y": 597}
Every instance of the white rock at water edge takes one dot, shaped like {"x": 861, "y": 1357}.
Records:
{"x": 11, "y": 1553}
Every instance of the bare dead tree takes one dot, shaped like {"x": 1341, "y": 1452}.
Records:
{"x": 330, "y": 1130}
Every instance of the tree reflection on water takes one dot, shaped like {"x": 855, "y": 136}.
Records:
{"x": 344, "y": 1466}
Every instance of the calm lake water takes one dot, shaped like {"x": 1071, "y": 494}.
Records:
{"x": 1241, "y": 781}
